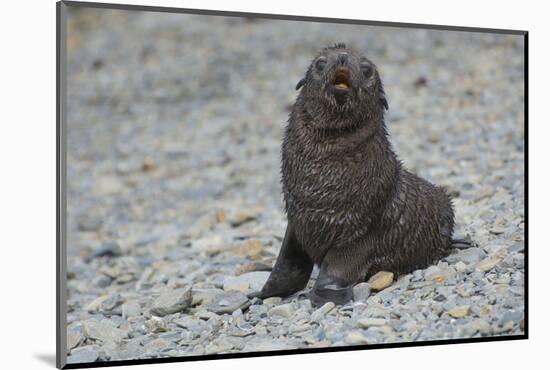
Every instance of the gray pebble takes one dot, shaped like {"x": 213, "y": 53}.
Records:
{"x": 111, "y": 249}
{"x": 251, "y": 281}
{"x": 511, "y": 315}
{"x": 361, "y": 292}
{"x": 228, "y": 302}
{"x": 83, "y": 354}
{"x": 102, "y": 281}
{"x": 74, "y": 338}
{"x": 155, "y": 325}
{"x": 369, "y": 321}
{"x": 319, "y": 314}
{"x": 172, "y": 301}
{"x": 104, "y": 330}
{"x": 517, "y": 247}
{"x": 131, "y": 309}
{"x": 272, "y": 300}
{"x": 284, "y": 310}
{"x": 90, "y": 223}
{"x": 470, "y": 255}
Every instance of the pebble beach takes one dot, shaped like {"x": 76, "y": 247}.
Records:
{"x": 174, "y": 204}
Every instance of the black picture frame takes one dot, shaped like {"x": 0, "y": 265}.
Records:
{"x": 61, "y": 174}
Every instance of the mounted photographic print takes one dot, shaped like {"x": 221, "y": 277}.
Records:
{"x": 235, "y": 184}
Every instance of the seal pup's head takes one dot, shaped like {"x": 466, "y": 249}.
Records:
{"x": 343, "y": 83}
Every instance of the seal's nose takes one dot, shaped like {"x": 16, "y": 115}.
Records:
{"x": 342, "y": 58}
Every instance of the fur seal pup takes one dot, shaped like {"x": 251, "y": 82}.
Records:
{"x": 352, "y": 208}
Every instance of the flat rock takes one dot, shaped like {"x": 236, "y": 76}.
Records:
{"x": 272, "y": 301}
{"x": 319, "y": 313}
{"x": 236, "y": 285}
{"x": 284, "y": 310}
{"x": 90, "y": 223}
{"x": 95, "y": 304}
{"x": 250, "y": 281}
{"x": 511, "y": 315}
{"x": 155, "y": 325}
{"x": 228, "y": 302}
{"x": 497, "y": 230}
{"x": 459, "y": 311}
{"x": 470, "y": 255}
{"x": 112, "y": 301}
{"x": 488, "y": 263}
{"x": 253, "y": 266}
{"x": 104, "y": 330}
{"x": 251, "y": 248}
{"x": 238, "y": 216}
{"x": 484, "y": 310}
{"x": 111, "y": 249}
{"x": 108, "y": 350}
{"x": 239, "y": 332}
{"x": 460, "y": 266}
{"x": 157, "y": 345}
{"x": 517, "y": 247}
{"x": 264, "y": 343}
{"x": 207, "y": 315}
{"x": 204, "y": 296}
{"x": 370, "y": 321}
{"x": 357, "y": 338}
{"x": 495, "y": 249}
{"x": 74, "y": 338}
{"x": 481, "y": 326}
{"x": 102, "y": 281}
{"x": 172, "y": 301}
{"x": 83, "y": 354}
{"x": 108, "y": 185}
{"x": 219, "y": 345}
{"x": 211, "y": 244}
{"x": 381, "y": 280}
{"x": 508, "y": 326}
{"x": 186, "y": 322}
{"x": 131, "y": 309}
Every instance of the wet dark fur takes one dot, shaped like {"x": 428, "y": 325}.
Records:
{"x": 353, "y": 209}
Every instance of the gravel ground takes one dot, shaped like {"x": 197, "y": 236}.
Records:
{"x": 174, "y": 200}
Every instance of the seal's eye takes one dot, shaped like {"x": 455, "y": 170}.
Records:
{"x": 320, "y": 64}
{"x": 366, "y": 70}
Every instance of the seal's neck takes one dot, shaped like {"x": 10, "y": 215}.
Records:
{"x": 333, "y": 130}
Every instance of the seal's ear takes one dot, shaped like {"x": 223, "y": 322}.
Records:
{"x": 384, "y": 102}
{"x": 382, "y": 95}
{"x": 300, "y": 83}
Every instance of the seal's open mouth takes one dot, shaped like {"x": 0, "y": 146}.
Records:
{"x": 341, "y": 79}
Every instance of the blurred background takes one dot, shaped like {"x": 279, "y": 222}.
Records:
{"x": 175, "y": 124}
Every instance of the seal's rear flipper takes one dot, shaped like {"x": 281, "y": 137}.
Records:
{"x": 463, "y": 243}
{"x": 338, "y": 275}
{"x": 330, "y": 291}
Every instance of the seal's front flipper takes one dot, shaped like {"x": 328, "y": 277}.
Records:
{"x": 291, "y": 271}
